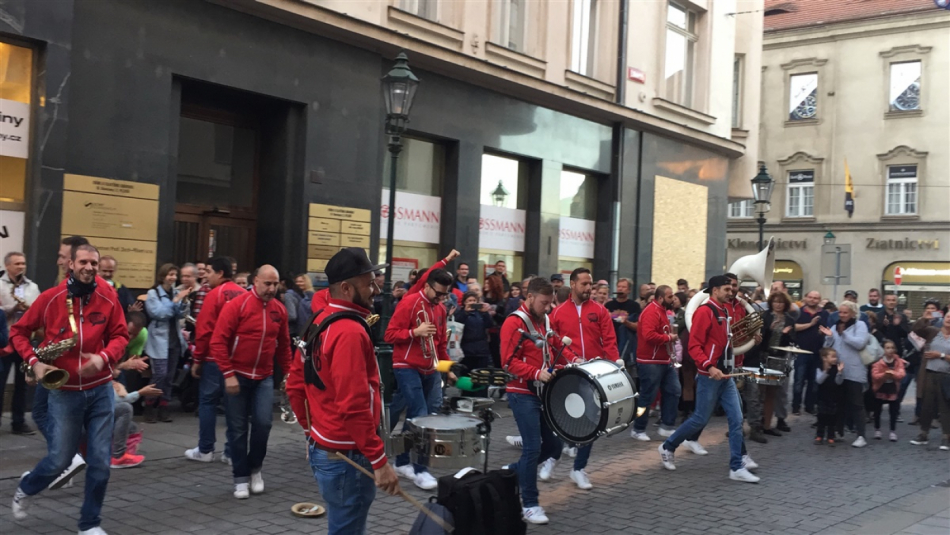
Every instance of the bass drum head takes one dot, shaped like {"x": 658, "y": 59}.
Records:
{"x": 572, "y": 406}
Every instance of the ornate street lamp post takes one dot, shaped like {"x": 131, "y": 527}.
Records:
{"x": 762, "y": 193}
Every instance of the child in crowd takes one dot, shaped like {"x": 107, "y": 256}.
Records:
{"x": 126, "y": 435}
{"x": 886, "y": 376}
{"x": 138, "y": 335}
{"x": 829, "y": 379}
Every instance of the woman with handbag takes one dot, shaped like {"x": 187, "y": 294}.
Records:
{"x": 848, "y": 337}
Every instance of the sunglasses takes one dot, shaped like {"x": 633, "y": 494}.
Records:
{"x": 438, "y": 293}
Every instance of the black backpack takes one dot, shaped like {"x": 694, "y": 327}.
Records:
{"x": 483, "y": 504}
{"x": 310, "y": 336}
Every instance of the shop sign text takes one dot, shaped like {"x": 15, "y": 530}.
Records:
{"x": 906, "y": 244}
{"x": 736, "y": 243}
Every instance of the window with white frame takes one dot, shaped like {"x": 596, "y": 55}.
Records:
{"x": 741, "y": 209}
{"x": 508, "y": 24}
{"x": 583, "y": 20}
{"x": 803, "y": 97}
{"x": 681, "y": 41}
{"x": 801, "y": 194}
{"x": 427, "y": 9}
{"x": 901, "y": 190}
{"x": 905, "y": 86}
{"x": 737, "y": 67}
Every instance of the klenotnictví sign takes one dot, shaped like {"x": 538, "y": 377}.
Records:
{"x": 736, "y": 243}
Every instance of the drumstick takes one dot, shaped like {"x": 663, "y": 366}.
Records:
{"x": 435, "y": 518}
{"x": 743, "y": 374}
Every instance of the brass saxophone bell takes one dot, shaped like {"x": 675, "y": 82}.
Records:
{"x": 54, "y": 379}
{"x": 372, "y": 319}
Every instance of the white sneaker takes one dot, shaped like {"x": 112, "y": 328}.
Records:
{"x": 406, "y": 471}
{"x": 580, "y": 478}
{"x": 695, "y": 447}
{"x": 547, "y": 467}
{"x": 241, "y": 492}
{"x": 514, "y": 440}
{"x": 77, "y": 465}
{"x": 506, "y": 467}
{"x": 643, "y": 437}
{"x": 20, "y": 502}
{"x": 226, "y": 459}
{"x": 743, "y": 475}
{"x": 257, "y": 482}
{"x": 534, "y": 515}
{"x": 666, "y": 457}
{"x": 859, "y": 443}
{"x": 425, "y": 481}
{"x": 748, "y": 463}
{"x": 93, "y": 531}
{"x": 663, "y": 432}
{"x": 570, "y": 451}
{"x": 194, "y": 454}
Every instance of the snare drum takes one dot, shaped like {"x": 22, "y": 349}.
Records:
{"x": 448, "y": 441}
{"x": 586, "y": 401}
{"x": 765, "y": 376}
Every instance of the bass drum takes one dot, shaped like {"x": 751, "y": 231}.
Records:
{"x": 584, "y": 402}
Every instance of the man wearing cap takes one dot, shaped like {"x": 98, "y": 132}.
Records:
{"x": 557, "y": 281}
{"x": 341, "y": 397}
{"x": 709, "y": 347}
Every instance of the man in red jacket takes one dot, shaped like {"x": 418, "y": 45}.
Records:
{"x": 210, "y": 381}
{"x": 251, "y": 330}
{"x": 91, "y": 315}
{"x": 655, "y": 337}
{"x": 531, "y": 365}
{"x": 710, "y": 349}
{"x": 341, "y": 418}
{"x": 591, "y": 330}
{"x": 418, "y": 332}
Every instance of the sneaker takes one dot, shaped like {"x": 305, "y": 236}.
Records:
{"x": 226, "y": 459}
{"x": 20, "y": 502}
{"x": 877, "y": 434}
{"x": 900, "y": 419}
{"x": 831, "y": 442}
{"x": 921, "y": 440}
{"x": 514, "y": 440}
{"x": 859, "y": 443}
{"x": 534, "y": 515}
{"x": 748, "y": 463}
{"x": 695, "y": 447}
{"x": 547, "y": 468}
{"x": 241, "y": 492}
{"x": 663, "y": 432}
{"x": 570, "y": 451}
{"x": 945, "y": 445}
{"x": 796, "y": 412}
{"x": 195, "y": 454}
{"x": 93, "y": 531}
{"x": 782, "y": 426}
{"x": 424, "y": 480}
{"x": 127, "y": 460}
{"x": 23, "y": 429}
{"x": 257, "y": 482}
{"x": 914, "y": 421}
{"x": 77, "y": 465}
{"x": 819, "y": 441}
{"x": 743, "y": 475}
{"x": 406, "y": 471}
{"x": 506, "y": 467}
{"x": 893, "y": 437}
{"x": 666, "y": 457}
{"x": 580, "y": 478}
{"x": 639, "y": 435}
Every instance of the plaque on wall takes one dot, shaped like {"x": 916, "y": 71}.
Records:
{"x": 331, "y": 228}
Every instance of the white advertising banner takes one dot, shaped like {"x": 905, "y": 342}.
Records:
{"x": 501, "y": 228}
{"x": 576, "y": 238}
{"x": 12, "y": 229}
{"x": 14, "y": 128}
{"x": 418, "y": 217}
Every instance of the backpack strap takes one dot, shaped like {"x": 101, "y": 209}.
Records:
{"x": 311, "y": 338}
{"x": 529, "y": 326}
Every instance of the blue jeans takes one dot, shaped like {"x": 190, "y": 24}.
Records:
{"x": 708, "y": 393}
{"x": 210, "y": 389}
{"x": 422, "y": 394}
{"x": 538, "y": 444}
{"x": 348, "y": 493}
{"x": 41, "y": 411}
{"x": 249, "y": 416}
{"x": 69, "y": 413}
{"x": 583, "y": 455}
{"x": 664, "y": 378}
{"x": 805, "y": 368}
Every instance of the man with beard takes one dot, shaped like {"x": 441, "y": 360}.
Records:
{"x": 17, "y": 293}
{"x": 809, "y": 338}
{"x": 625, "y": 313}
{"x": 93, "y": 317}
{"x": 646, "y": 294}
{"x": 654, "y": 339}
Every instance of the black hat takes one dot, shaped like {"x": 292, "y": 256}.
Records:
{"x": 715, "y": 282}
{"x": 557, "y": 277}
{"x": 349, "y": 262}
{"x": 851, "y": 292}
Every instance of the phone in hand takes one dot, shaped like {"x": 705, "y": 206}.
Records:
{"x": 471, "y": 308}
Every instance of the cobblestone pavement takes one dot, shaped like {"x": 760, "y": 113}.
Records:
{"x": 884, "y": 488}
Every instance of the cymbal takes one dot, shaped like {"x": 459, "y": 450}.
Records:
{"x": 791, "y": 349}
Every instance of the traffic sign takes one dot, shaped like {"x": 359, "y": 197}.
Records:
{"x": 898, "y": 273}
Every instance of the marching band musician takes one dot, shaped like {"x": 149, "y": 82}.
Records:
{"x": 710, "y": 347}
{"x": 655, "y": 338}
{"x": 17, "y": 293}
{"x": 210, "y": 382}
{"x": 250, "y": 332}
{"x": 527, "y": 362}
{"x": 89, "y": 311}
{"x": 749, "y": 390}
{"x": 343, "y": 416}
{"x": 589, "y": 324}
{"x": 418, "y": 333}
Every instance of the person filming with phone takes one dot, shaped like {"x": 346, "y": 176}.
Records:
{"x": 473, "y": 314}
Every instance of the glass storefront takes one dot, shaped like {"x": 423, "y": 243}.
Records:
{"x": 916, "y": 282}
{"x": 16, "y": 90}
{"x": 503, "y": 199}
{"x": 578, "y": 204}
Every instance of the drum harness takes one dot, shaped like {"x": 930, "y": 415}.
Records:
{"x": 533, "y": 334}
{"x": 727, "y": 362}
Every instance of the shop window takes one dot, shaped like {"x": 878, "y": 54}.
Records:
{"x": 741, "y": 209}
{"x": 803, "y": 97}
{"x": 420, "y": 168}
{"x": 583, "y": 37}
{"x": 905, "y": 86}
{"x": 801, "y": 194}
{"x": 504, "y": 182}
{"x": 427, "y": 9}
{"x": 737, "y": 75}
{"x": 578, "y": 195}
{"x": 504, "y": 199}
{"x": 681, "y": 39}
{"x": 901, "y": 190}
{"x": 16, "y": 89}
{"x": 420, "y": 171}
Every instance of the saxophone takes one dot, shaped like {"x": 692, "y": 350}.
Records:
{"x": 52, "y": 351}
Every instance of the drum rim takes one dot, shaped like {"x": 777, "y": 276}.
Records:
{"x": 602, "y": 424}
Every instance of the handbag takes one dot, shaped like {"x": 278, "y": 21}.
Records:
{"x": 871, "y": 352}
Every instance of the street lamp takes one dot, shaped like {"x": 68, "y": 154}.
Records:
{"x": 498, "y": 196}
{"x": 762, "y": 193}
{"x": 399, "y": 90}
{"x": 829, "y": 238}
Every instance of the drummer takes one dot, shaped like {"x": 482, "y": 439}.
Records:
{"x": 527, "y": 362}
{"x": 778, "y": 329}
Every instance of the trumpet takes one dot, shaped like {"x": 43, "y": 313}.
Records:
{"x": 428, "y": 342}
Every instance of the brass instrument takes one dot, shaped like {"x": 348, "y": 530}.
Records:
{"x": 50, "y": 352}
{"x": 671, "y": 347}
{"x": 744, "y": 330}
{"x": 286, "y": 411}
{"x": 372, "y": 319}
{"x": 428, "y": 342}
